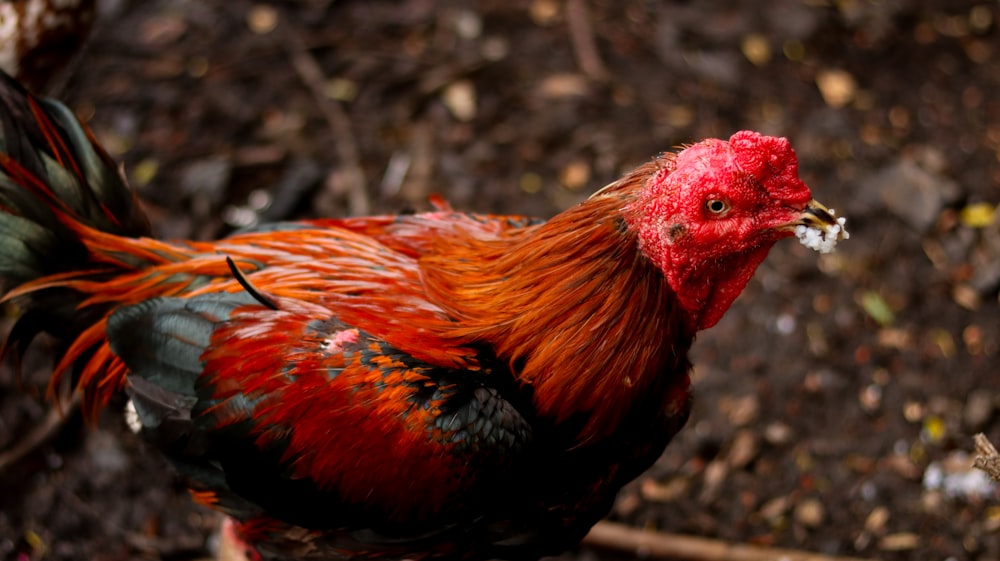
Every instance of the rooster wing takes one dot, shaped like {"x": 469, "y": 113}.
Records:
{"x": 317, "y": 422}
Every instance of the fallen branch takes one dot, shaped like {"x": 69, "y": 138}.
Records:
{"x": 581, "y": 34}
{"x": 309, "y": 71}
{"x": 987, "y": 458}
{"x": 642, "y": 543}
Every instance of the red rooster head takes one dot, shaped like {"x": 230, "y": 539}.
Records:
{"x": 709, "y": 214}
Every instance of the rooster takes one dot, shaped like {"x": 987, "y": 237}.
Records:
{"x": 442, "y": 385}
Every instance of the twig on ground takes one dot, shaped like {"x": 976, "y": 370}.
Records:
{"x": 581, "y": 34}
{"x": 41, "y": 433}
{"x": 642, "y": 543}
{"x": 987, "y": 458}
{"x": 351, "y": 174}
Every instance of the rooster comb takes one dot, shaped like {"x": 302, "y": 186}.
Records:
{"x": 770, "y": 160}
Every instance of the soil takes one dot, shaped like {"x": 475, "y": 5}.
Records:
{"x": 836, "y": 400}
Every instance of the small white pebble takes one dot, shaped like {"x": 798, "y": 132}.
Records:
{"x": 785, "y": 324}
{"x": 965, "y": 483}
{"x": 868, "y": 491}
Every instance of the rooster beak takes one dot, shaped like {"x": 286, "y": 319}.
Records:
{"x": 816, "y": 216}
{"x": 818, "y": 227}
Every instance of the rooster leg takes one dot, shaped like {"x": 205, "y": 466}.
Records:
{"x": 231, "y": 546}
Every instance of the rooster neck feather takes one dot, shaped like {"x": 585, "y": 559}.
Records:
{"x": 581, "y": 315}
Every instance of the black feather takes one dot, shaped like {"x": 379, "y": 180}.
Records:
{"x": 52, "y": 173}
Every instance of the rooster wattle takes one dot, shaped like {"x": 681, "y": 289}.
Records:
{"x": 441, "y": 385}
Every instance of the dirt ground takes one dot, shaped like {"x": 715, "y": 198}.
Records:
{"x": 837, "y": 399}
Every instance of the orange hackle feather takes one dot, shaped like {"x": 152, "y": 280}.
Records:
{"x": 573, "y": 306}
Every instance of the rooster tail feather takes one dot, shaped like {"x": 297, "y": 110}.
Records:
{"x": 57, "y": 188}
{"x": 54, "y": 177}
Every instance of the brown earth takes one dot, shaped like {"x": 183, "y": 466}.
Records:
{"x": 828, "y": 398}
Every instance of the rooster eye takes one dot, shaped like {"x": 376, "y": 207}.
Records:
{"x": 717, "y": 206}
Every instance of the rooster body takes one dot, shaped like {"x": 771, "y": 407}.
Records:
{"x": 434, "y": 386}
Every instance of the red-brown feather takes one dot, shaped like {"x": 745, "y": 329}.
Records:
{"x": 338, "y": 408}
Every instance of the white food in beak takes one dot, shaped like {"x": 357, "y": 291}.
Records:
{"x": 823, "y": 240}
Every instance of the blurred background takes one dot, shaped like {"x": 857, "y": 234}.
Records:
{"x": 836, "y": 401}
